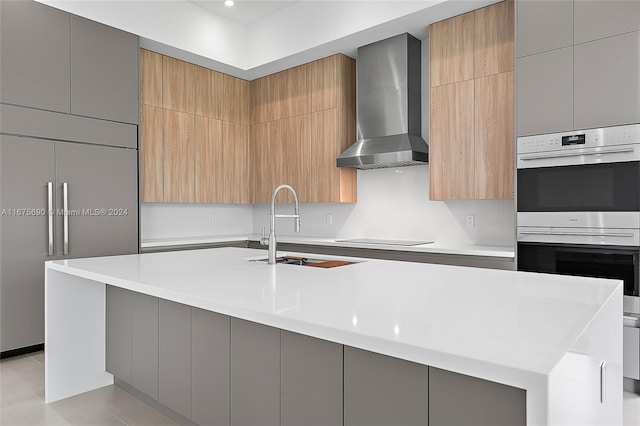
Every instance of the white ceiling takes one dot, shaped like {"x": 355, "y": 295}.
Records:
{"x": 243, "y": 12}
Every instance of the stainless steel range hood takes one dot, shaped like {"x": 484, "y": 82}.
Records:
{"x": 388, "y": 91}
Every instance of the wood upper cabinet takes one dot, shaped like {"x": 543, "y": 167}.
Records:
{"x": 332, "y": 82}
{"x": 471, "y": 130}
{"x": 150, "y": 78}
{"x": 236, "y": 175}
{"x": 261, "y": 178}
{"x": 178, "y": 79}
{"x": 208, "y": 160}
{"x": 179, "y": 157}
{"x": 236, "y": 107}
{"x": 152, "y": 153}
{"x": 208, "y": 93}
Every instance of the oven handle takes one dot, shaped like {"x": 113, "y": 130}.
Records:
{"x": 580, "y": 234}
{"x": 576, "y": 154}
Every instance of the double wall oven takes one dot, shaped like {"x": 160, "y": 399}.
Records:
{"x": 578, "y": 201}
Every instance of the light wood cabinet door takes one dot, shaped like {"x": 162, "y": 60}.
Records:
{"x": 209, "y": 163}
{"x": 451, "y": 50}
{"x": 152, "y": 153}
{"x": 261, "y": 100}
{"x": 236, "y": 102}
{"x": 262, "y": 177}
{"x": 493, "y": 51}
{"x": 179, "y": 157}
{"x": 208, "y": 93}
{"x": 330, "y": 184}
{"x": 150, "y": 78}
{"x": 297, "y": 100}
{"x": 178, "y": 85}
{"x": 451, "y": 148}
{"x": 290, "y": 151}
{"x": 323, "y": 79}
{"x": 236, "y": 174}
{"x": 494, "y": 137}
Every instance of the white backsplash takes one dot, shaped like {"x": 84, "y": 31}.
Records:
{"x": 392, "y": 204}
{"x": 160, "y": 220}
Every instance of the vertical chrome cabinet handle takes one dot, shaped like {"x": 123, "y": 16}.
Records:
{"x": 603, "y": 381}
{"x": 50, "y": 215}
{"x": 65, "y": 201}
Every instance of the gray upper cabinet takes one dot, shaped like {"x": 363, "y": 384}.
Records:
{"x": 545, "y": 92}
{"x": 456, "y": 399}
{"x": 543, "y": 25}
{"x": 104, "y": 72}
{"x": 102, "y": 197}
{"x": 35, "y": 65}
{"x": 596, "y": 19}
{"x": 25, "y": 169}
{"x": 381, "y": 390}
{"x": 311, "y": 389}
{"x": 255, "y": 374}
{"x": 607, "y": 81}
{"x": 210, "y": 367}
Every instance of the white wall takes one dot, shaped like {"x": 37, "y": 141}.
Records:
{"x": 159, "y": 220}
{"x": 394, "y": 204}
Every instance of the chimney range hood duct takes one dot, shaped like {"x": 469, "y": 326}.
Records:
{"x": 388, "y": 92}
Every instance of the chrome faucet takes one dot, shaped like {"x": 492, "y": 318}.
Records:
{"x": 271, "y": 241}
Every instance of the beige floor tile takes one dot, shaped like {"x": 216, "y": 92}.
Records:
{"x": 127, "y": 408}
{"x": 38, "y": 356}
{"x": 82, "y": 411}
{"x": 32, "y": 413}
{"x": 631, "y": 413}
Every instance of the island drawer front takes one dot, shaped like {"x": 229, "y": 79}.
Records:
{"x": 631, "y": 361}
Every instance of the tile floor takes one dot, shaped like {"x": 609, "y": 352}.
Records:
{"x": 22, "y": 401}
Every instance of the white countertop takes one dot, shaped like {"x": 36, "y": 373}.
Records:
{"x": 505, "y": 326}
{"x": 438, "y": 248}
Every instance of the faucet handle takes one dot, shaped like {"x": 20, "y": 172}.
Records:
{"x": 264, "y": 240}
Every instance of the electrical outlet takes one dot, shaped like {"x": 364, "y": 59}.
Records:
{"x": 471, "y": 220}
{"x": 214, "y": 218}
{"x": 329, "y": 219}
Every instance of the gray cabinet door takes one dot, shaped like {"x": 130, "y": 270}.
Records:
{"x": 545, "y": 92}
{"x": 35, "y": 55}
{"x": 543, "y": 25}
{"x": 255, "y": 374}
{"x": 102, "y": 197}
{"x": 119, "y": 332}
{"x": 104, "y": 71}
{"x": 144, "y": 344}
{"x": 607, "y": 82}
{"x": 210, "y": 368}
{"x": 26, "y": 166}
{"x": 174, "y": 356}
{"x": 311, "y": 389}
{"x": 456, "y": 399}
{"x": 596, "y": 19}
{"x": 381, "y": 390}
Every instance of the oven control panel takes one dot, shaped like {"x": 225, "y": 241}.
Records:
{"x": 591, "y": 138}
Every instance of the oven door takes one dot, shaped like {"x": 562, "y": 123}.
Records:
{"x": 599, "y": 187}
{"x": 616, "y": 262}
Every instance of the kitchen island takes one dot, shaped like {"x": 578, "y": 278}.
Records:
{"x": 557, "y": 338}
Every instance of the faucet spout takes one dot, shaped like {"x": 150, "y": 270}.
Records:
{"x": 272, "y": 241}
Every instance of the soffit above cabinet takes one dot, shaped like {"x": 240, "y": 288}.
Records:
{"x": 285, "y": 34}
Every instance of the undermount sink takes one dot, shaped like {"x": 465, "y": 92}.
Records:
{"x": 306, "y": 261}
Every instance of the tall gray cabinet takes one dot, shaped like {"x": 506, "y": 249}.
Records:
{"x": 68, "y": 154}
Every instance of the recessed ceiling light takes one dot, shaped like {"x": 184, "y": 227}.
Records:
{"x": 228, "y": 3}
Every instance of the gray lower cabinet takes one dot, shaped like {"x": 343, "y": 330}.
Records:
{"x": 104, "y": 71}
{"x": 25, "y": 169}
{"x": 255, "y": 374}
{"x": 607, "y": 81}
{"x": 144, "y": 344}
{"x": 311, "y": 374}
{"x": 118, "y": 357}
{"x": 381, "y": 390}
{"x": 174, "y": 356}
{"x": 210, "y": 368}
{"x": 545, "y": 92}
{"x": 35, "y": 55}
{"x": 456, "y": 399}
